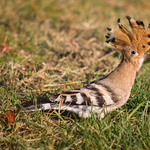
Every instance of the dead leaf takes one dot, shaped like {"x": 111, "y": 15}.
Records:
{"x": 10, "y": 116}
{"x": 4, "y": 49}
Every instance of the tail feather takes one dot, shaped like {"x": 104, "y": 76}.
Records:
{"x": 82, "y": 110}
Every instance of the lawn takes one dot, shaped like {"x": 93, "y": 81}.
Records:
{"x": 49, "y": 46}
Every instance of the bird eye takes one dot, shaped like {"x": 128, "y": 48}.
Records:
{"x": 133, "y": 52}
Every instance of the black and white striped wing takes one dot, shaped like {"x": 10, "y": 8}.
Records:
{"x": 92, "y": 97}
{"x": 89, "y": 98}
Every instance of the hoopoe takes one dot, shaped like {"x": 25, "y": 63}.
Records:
{"x": 106, "y": 94}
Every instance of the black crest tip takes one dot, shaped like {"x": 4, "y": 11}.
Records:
{"x": 107, "y": 36}
{"x": 109, "y": 29}
{"x": 140, "y": 23}
{"x": 118, "y": 20}
{"x": 128, "y": 17}
{"x": 113, "y": 39}
{"x": 148, "y": 35}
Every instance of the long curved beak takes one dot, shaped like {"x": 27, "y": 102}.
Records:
{"x": 145, "y": 55}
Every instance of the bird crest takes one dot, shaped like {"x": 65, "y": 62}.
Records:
{"x": 138, "y": 39}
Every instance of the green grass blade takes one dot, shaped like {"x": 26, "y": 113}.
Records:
{"x": 134, "y": 111}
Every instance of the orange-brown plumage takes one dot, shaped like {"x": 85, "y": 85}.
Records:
{"x": 138, "y": 39}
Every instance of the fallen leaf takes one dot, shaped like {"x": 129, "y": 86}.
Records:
{"x": 10, "y": 116}
{"x": 4, "y": 49}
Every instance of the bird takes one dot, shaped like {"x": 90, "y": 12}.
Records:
{"x": 112, "y": 91}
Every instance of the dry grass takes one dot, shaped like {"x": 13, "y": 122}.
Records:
{"x": 50, "y": 46}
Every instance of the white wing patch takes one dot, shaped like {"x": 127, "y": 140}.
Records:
{"x": 46, "y": 106}
{"x": 108, "y": 100}
{"x": 80, "y": 100}
{"x": 58, "y": 98}
{"x": 68, "y": 99}
{"x": 93, "y": 100}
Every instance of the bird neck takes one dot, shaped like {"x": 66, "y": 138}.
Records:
{"x": 124, "y": 75}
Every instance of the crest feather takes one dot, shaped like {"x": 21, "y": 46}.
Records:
{"x": 138, "y": 39}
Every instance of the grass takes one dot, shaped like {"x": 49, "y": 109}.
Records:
{"x": 52, "y": 46}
